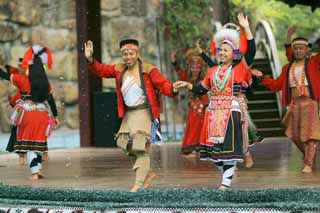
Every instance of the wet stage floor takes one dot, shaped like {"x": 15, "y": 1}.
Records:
{"x": 278, "y": 164}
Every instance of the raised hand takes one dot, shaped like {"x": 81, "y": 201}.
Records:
{"x": 88, "y": 50}
{"x": 244, "y": 23}
{"x": 290, "y": 32}
{"x": 243, "y": 20}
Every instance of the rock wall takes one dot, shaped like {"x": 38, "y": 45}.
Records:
{"x": 128, "y": 19}
{"x": 52, "y": 23}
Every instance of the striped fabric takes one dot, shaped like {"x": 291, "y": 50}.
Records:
{"x": 155, "y": 132}
{"x": 132, "y": 93}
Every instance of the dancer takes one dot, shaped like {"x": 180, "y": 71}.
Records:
{"x": 136, "y": 86}
{"x": 226, "y": 122}
{"x": 31, "y": 115}
{"x": 12, "y": 101}
{"x": 299, "y": 84}
{"x": 253, "y": 134}
{"x": 197, "y": 103}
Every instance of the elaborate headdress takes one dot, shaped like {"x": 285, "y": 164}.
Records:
{"x": 46, "y": 57}
{"x": 129, "y": 44}
{"x": 299, "y": 40}
{"x": 234, "y": 36}
{"x": 192, "y": 54}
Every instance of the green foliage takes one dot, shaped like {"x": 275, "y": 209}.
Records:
{"x": 185, "y": 21}
{"x": 280, "y": 16}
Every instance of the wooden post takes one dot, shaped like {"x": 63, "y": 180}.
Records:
{"x": 220, "y": 11}
{"x": 88, "y": 28}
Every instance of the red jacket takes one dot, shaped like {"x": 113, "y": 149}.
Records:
{"x": 282, "y": 82}
{"x": 152, "y": 78}
{"x": 13, "y": 99}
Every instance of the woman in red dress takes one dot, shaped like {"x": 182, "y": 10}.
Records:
{"x": 197, "y": 103}
{"x": 31, "y": 113}
{"x": 226, "y": 124}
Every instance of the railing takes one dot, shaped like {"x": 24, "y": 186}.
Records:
{"x": 266, "y": 45}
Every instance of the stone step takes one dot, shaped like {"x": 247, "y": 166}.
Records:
{"x": 263, "y": 113}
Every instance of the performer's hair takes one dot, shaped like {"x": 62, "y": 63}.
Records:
{"x": 38, "y": 80}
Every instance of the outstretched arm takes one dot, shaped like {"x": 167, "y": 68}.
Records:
{"x": 98, "y": 69}
{"x": 270, "y": 83}
{"x": 287, "y": 45}
{"x": 196, "y": 89}
{"x": 163, "y": 85}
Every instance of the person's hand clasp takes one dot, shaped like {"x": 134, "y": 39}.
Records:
{"x": 180, "y": 84}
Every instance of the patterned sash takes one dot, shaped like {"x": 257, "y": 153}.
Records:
{"x": 133, "y": 95}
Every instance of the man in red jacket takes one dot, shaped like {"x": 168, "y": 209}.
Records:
{"x": 299, "y": 83}
{"x": 137, "y": 84}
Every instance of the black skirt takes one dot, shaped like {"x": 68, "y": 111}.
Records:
{"x": 232, "y": 146}
{"x": 12, "y": 139}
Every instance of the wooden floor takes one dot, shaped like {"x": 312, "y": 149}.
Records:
{"x": 277, "y": 165}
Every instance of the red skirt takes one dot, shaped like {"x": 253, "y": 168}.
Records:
{"x": 192, "y": 131}
{"x": 32, "y": 132}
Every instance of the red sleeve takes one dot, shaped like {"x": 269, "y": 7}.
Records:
{"x": 275, "y": 85}
{"x": 207, "y": 78}
{"x": 316, "y": 58}
{"x": 12, "y": 70}
{"x": 213, "y": 47}
{"x": 161, "y": 83}
{"x": 14, "y": 98}
{"x": 102, "y": 70}
{"x": 20, "y": 81}
{"x": 289, "y": 53}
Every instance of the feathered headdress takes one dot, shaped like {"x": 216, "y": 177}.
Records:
{"x": 192, "y": 54}
{"x": 234, "y": 36}
{"x": 46, "y": 57}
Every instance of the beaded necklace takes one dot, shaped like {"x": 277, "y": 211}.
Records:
{"x": 220, "y": 78}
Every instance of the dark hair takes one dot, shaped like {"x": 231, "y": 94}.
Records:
{"x": 128, "y": 41}
{"x": 38, "y": 80}
{"x": 300, "y": 38}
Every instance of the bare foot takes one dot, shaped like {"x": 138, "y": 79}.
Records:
{"x": 307, "y": 169}
{"x": 248, "y": 161}
{"x": 34, "y": 177}
{"x": 148, "y": 179}
{"x": 22, "y": 159}
{"x": 223, "y": 187}
{"x": 135, "y": 188}
{"x": 40, "y": 175}
{"x": 45, "y": 156}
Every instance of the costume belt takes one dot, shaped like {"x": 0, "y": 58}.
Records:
{"x": 31, "y": 106}
{"x": 142, "y": 106}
